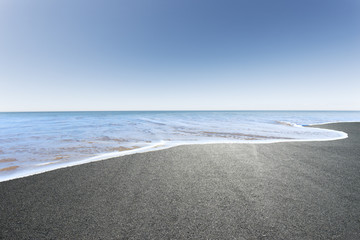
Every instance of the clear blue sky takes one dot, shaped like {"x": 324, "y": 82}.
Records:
{"x": 178, "y": 55}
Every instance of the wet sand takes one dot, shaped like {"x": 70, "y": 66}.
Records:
{"x": 294, "y": 190}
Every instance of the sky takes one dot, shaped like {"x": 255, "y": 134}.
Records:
{"x": 81, "y": 55}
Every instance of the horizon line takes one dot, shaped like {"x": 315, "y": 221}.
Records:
{"x": 214, "y": 110}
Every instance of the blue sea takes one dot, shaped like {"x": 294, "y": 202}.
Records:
{"x": 36, "y": 142}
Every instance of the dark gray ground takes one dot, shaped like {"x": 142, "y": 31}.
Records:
{"x": 308, "y": 190}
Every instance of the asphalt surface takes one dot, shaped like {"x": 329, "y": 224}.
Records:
{"x": 304, "y": 190}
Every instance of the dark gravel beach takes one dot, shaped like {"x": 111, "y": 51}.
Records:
{"x": 299, "y": 190}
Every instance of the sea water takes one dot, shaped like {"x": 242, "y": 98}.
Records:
{"x": 35, "y": 142}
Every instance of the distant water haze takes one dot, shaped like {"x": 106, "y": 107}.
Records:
{"x": 36, "y": 142}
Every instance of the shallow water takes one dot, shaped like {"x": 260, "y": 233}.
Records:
{"x": 37, "y": 142}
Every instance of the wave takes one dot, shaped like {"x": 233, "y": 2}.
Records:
{"x": 162, "y": 144}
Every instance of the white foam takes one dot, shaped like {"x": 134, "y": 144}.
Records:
{"x": 50, "y": 166}
{"x": 42, "y": 142}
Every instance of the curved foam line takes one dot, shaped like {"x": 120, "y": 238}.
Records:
{"x": 46, "y": 167}
{"x": 324, "y": 123}
{"x": 160, "y": 146}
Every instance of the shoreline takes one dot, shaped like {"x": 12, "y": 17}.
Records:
{"x": 297, "y": 190}
{"x": 46, "y": 167}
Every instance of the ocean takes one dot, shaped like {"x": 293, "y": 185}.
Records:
{"x": 35, "y": 142}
